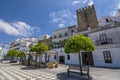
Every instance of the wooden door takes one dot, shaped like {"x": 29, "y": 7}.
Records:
{"x": 87, "y": 58}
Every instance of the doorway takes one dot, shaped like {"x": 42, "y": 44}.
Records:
{"x": 62, "y": 59}
{"x": 87, "y": 58}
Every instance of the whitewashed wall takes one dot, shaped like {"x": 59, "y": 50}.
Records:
{"x": 73, "y": 57}
{"x": 99, "y": 58}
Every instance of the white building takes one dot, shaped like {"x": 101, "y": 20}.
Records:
{"x": 23, "y": 44}
{"x": 58, "y": 38}
{"x": 107, "y": 41}
{"x": 43, "y": 37}
{"x": 107, "y": 20}
{"x": 63, "y": 33}
{"x": 106, "y": 37}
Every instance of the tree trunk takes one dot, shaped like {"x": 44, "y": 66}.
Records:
{"x": 80, "y": 63}
{"x": 17, "y": 58}
{"x": 39, "y": 60}
{"x": 11, "y": 59}
{"x": 20, "y": 60}
{"x": 45, "y": 59}
{"x": 29, "y": 60}
{"x": 36, "y": 57}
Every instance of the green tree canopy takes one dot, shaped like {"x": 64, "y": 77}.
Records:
{"x": 78, "y": 43}
{"x": 21, "y": 54}
{"x": 39, "y": 48}
{"x": 12, "y": 53}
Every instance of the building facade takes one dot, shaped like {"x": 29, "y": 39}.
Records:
{"x": 107, "y": 41}
{"x": 59, "y": 38}
{"x": 104, "y": 34}
{"x": 23, "y": 44}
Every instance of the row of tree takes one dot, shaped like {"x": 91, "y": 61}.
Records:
{"x": 15, "y": 53}
{"x": 75, "y": 44}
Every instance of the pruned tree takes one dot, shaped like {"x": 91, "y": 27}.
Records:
{"x": 40, "y": 49}
{"x": 21, "y": 54}
{"x": 12, "y": 53}
{"x": 77, "y": 44}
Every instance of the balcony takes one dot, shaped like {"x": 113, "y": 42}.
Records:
{"x": 58, "y": 46}
{"x": 104, "y": 41}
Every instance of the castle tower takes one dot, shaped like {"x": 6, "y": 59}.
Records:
{"x": 86, "y": 18}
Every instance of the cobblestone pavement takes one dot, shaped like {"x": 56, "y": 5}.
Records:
{"x": 105, "y": 73}
{"x": 18, "y": 72}
{"x": 14, "y": 71}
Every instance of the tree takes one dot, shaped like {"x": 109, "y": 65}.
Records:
{"x": 21, "y": 55}
{"x": 39, "y": 48}
{"x": 12, "y": 53}
{"x": 77, "y": 44}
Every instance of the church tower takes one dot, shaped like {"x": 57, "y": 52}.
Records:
{"x": 86, "y": 18}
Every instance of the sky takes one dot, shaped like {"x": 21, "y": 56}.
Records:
{"x": 33, "y": 18}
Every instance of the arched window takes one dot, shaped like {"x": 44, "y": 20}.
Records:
{"x": 107, "y": 20}
{"x": 72, "y": 32}
{"x": 66, "y": 34}
{"x": 59, "y": 36}
{"x": 55, "y": 37}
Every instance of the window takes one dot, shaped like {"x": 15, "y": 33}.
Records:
{"x": 54, "y": 56}
{"x": 68, "y": 57}
{"x": 72, "y": 32}
{"x": 54, "y": 36}
{"x": 103, "y": 38}
{"x": 59, "y": 36}
{"x": 107, "y": 20}
{"x": 107, "y": 57}
{"x": 66, "y": 34}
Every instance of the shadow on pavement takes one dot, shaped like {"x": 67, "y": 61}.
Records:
{"x": 32, "y": 68}
{"x": 29, "y": 68}
{"x": 65, "y": 76}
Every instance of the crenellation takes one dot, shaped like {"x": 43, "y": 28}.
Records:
{"x": 84, "y": 18}
{"x": 85, "y": 8}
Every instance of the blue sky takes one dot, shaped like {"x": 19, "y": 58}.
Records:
{"x": 32, "y": 18}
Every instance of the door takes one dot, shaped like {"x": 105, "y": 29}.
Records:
{"x": 87, "y": 58}
{"x": 62, "y": 59}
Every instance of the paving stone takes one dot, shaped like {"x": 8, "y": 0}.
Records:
{"x": 9, "y": 71}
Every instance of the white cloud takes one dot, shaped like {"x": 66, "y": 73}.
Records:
{"x": 90, "y": 2}
{"x": 113, "y": 13}
{"x": 75, "y": 2}
{"x": 61, "y": 25}
{"x": 118, "y": 4}
{"x": 65, "y": 17}
{"x": 16, "y": 28}
{"x": 85, "y": 1}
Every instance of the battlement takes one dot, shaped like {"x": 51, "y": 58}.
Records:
{"x": 85, "y": 8}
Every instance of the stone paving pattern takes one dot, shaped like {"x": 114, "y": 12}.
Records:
{"x": 19, "y": 72}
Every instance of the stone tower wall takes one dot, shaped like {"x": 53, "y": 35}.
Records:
{"x": 86, "y": 18}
